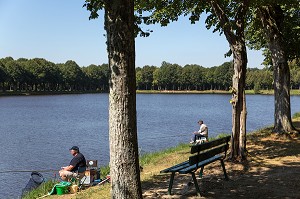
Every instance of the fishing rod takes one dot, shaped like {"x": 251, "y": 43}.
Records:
{"x": 28, "y": 171}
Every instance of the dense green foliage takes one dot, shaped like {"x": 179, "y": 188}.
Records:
{"x": 194, "y": 77}
{"x": 41, "y": 75}
{"x": 190, "y": 77}
{"x": 257, "y": 37}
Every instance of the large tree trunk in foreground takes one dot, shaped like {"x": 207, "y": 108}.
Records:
{"x": 239, "y": 111}
{"x": 272, "y": 19}
{"x": 124, "y": 161}
{"x": 236, "y": 38}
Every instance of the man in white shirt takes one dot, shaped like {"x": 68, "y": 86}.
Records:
{"x": 203, "y": 131}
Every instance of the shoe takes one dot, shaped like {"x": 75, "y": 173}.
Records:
{"x": 192, "y": 142}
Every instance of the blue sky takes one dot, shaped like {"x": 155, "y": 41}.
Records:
{"x": 59, "y": 30}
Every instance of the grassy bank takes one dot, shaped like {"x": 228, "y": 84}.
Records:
{"x": 267, "y": 153}
{"x": 249, "y": 92}
{"x": 41, "y": 190}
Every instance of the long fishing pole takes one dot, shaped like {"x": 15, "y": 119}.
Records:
{"x": 28, "y": 171}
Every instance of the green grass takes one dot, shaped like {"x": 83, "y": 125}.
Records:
{"x": 249, "y": 92}
{"x": 42, "y": 190}
{"x": 271, "y": 92}
{"x": 148, "y": 158}
{"x": 295, "y": 92}
{"x": 221, "y": 135}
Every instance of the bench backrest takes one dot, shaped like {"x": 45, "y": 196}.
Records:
{"x": 209, "y": 149}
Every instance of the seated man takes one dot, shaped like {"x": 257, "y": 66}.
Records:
{"x": 77, "y": 161}
{"x": 203, "y": 132}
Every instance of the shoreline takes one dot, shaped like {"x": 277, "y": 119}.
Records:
{"x": 248, "y": 92}
{"x": 219, "y": 92}
{"x": 37, "y": 93}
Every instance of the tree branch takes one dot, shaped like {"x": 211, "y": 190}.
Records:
{"x": 224, "y": 21}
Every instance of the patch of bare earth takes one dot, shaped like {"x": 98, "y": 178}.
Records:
{"x": 271, "y": 171}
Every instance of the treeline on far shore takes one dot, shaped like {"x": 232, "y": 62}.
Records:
{"x": 42, "y": 75}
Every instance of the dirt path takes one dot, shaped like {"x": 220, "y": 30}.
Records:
{"x": 272, "y": 171}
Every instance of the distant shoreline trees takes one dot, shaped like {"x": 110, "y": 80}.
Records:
{"x": 41, "y": 75}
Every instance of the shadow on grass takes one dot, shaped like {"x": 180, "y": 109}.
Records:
{"x": 262, "y": 177}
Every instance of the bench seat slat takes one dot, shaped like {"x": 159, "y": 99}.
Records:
{"x": 200, "y": 164}
{"x": 180, "y": 167}
{"x": 175, "y": 167}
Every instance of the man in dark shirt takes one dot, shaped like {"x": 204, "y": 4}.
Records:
{"x": 78, "y": 161}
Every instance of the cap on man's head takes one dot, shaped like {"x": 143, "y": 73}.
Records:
{"x": 75, "y": 148}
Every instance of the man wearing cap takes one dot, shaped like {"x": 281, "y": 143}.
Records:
{"x": 203, "y": 132}
{"x": 77, "y": 161}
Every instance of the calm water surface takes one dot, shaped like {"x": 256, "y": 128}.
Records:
{"x": 37, "y": 131}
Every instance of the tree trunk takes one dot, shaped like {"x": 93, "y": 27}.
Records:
{"x": 239, "y": 111}
{"x": 124, "y": 161}
{"x": 236, "y": 39}
{"x": 272, "y": 19}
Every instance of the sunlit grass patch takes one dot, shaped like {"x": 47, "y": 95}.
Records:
{"x": 42, "y": 190}
{"x": 153, "y": 157}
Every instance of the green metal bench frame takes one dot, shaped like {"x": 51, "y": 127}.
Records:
{"x": 203, "y": 154}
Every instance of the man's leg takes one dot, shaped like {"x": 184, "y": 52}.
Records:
{"x": 195, "y": 138}
{"x": 65, "y": 175}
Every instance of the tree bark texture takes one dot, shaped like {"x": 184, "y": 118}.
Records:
{"x": 272, "y": 19}
{"x": 235, "y": 36}
{"x": 239, "y": 111}
{"x": 124, "y": 161}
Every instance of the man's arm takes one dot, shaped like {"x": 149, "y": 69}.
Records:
{"x": 197, "y": 133}
{"x": 68, "y": 168}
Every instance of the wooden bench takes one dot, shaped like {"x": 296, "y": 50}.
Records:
{"x": 203, "y": 154}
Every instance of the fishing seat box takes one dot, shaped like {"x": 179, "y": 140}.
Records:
{"x": 91, "y": 172}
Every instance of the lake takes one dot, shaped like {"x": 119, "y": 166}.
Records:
{"x": 37, "y": 131}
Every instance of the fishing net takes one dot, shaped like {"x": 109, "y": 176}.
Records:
{"x": 36, "y": 180}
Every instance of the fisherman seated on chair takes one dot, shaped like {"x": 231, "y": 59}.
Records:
{"x": 77, "y": 162}
{"x": 202, "y": 133}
